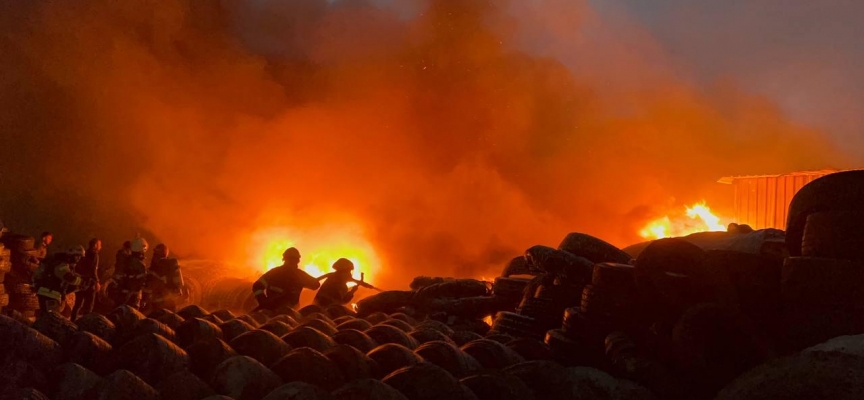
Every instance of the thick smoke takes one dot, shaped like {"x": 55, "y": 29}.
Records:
{"x": 456, "y": 133}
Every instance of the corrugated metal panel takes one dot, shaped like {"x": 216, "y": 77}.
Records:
{"x": 763, "y": 201}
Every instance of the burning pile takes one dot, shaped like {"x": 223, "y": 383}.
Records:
{"x": 680, "y": 318}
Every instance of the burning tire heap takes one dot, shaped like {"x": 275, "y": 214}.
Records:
{"x": 582, "y": 321}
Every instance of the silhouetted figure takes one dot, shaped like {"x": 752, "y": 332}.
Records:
{"x": 281, "y": 286}
{"x": 335, "y": 289}
{"x": 88, "y": 268}
{"x": 130, "y": 282}
{"x": 164, "y": 281}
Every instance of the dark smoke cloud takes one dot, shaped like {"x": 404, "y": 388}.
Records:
{"x": 457, "y": 133}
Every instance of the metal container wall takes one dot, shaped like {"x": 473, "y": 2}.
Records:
{"x": 763, "y": 201}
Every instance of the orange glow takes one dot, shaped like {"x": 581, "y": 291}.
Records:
{"x": 697, "y": 218}
{"x": 319, "y": 249}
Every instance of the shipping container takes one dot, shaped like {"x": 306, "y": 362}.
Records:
{"x": 762, "y": 201}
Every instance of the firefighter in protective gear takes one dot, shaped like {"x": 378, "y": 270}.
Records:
{"x": 88, "y": 268}
{"x": 130, "y": 282}
{"x": 164, "y": 281}
{"x": 281, "y": 286}
{"x": 56, "y": 277}
{"x": 334, "y": 290}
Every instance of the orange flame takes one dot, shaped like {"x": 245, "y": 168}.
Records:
{"x": 697, "y": 218}
{"x": 319, "y": 249}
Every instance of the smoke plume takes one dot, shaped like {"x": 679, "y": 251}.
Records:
{"x": 455, "y": 133}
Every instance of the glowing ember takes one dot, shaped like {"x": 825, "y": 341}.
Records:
{"x": 697, "y": 218}
{"x": 319, "y": 249}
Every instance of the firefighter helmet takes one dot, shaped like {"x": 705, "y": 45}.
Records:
{"x": 343, "y": 264}
{"x": 76, "y": 251}
{"x": 291, "y": 253}
{"x": 139, "y": 245}
{"x": 160, "y": 250}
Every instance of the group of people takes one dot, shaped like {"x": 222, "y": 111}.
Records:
{"x": 131, "y": 283}
{"x": 281, "y": 286}
{"x": 160, "y": 286}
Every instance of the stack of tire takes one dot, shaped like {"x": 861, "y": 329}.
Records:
{"x": 610, "y": 299}
{"x": 822, "y": 279}
{"x": 5, "y": 268}
{"x": 607, "y": 304}
{"x": 311, "y": 353}
{"x": 510, "y": 286}
{"x": 16, "y": 283}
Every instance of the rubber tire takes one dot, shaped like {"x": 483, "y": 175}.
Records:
{"x": 823, "y": 282}
{"x": 592, "y": 248}
{"x": 834, "y": 234}
{"x": 611, "y": 275}
{"x": 841, "y": 191}
{"x": 517, "y": 266}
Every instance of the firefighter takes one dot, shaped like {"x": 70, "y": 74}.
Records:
{"x": 164, "y": 281}
{"x": 120, "y": 259}
{"x": 45, "y": 240}
{"x": 88, "y": 268}
{"x": 281, "y": 286}
{"x": 130, "y": 282}
{"x": 334, "y": 290}
{"x": 55, "y": 278}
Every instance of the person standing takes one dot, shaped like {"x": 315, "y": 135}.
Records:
{"x": 130, "y": 282}
{"x": 89, "y": 269}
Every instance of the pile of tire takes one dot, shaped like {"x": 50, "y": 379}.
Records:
{"x": 16, "y": 282}
{"x": 5, "y": 268}
{"x": 821, "y": 281}
{"x": 607, "y": 304}
{"x": 319, "y": 354}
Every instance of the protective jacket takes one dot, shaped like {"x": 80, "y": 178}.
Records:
{"x": 164, "y": 277}
{"x": 55, "y": 278}
{"x": 133, "y": 277}
{"x": 282, "y": 285}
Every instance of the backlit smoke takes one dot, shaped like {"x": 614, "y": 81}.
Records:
{"x": 455, "y": 133}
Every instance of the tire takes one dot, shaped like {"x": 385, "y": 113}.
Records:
{"x": 517, "y": 266}
{"x": 56, "y": 327}
{"x": 613, "y": 275}
{"x": 509, "y": 287}
{"x": 842, "y": 191}
{"x": 25, "y": 303}
{"x": 455, "y": 289}
{"x": 750, "y": 281}
{"x": 5, "y": 263}
{"x": 823, "y": 282}
{"x": 559, "y": 263}
{"x": 594, "y": 249}
{"x": 516, "y": 325}
{"x": 834, "y": 234}
{"x": 386, "y": 302}
{"x": 16, "y": 242}
{"x": 566, "y": 351}
{"x": 715, "y": 345}
{"x": 669, "y": 255}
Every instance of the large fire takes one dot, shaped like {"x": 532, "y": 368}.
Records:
{"x": 697, "y": 218}
{"x": 319, "y": 249}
